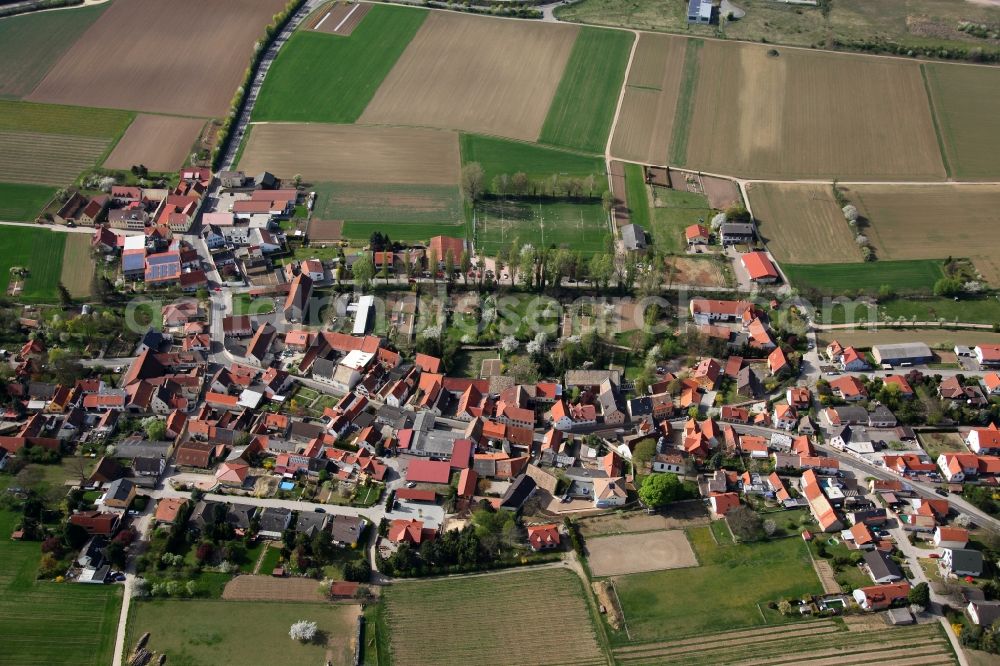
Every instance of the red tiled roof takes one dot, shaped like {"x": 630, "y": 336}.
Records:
{"x": 759, "y": 266}
{"x": 428, "y": 471}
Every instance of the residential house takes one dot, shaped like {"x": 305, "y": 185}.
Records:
{"x": 881, "y": 567}
{"x": 951, "y": 537}
{"x": 961, "y": 562}
{"x": 881, "y": 597}
{"x": 543, "y": 537}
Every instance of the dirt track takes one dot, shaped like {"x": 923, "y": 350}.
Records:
{"x": 184, "y": 56}
{"x": 476, "y": 74}
{"x": 161, "y": 143}
{"x": 646, "y": 551}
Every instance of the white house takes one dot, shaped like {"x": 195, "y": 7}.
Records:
{"x": 984, "y": 440}
{"x": 668, "y": 462}
{"x": 951, "y": 537}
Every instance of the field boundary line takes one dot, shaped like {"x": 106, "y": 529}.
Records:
{"x": 344, "y": 20}
{"x": 621, "y": 609}
{"x": 934, "y": 121}
{"x": 325, "y": 17}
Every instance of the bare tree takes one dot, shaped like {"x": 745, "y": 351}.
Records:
{"x": 472, "y": 181}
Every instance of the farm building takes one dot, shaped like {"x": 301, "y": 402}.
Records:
{"x": 759, "y": 267}
{"x": 908, "y": 353}
{"x": 633, "y": 238}
{"x": 699, "y": 11}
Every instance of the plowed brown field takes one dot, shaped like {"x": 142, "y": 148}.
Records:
{"x": 646, "y": 122}
{"x": 810, "y": 114}
{"x": 184, "y": 56}
{"x": 476, "y": 74}
{"x": 161, "y": 143}
{"x": 354, "y": 153}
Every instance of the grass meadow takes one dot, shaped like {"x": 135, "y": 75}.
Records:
{"x": 499, "y": 156}
{"x": 729, "y": 589}
{"x": 581, "y": 112}
{"x": 913, "y": 276}
{"x": 41, "y": 251}
{"x": 51, "y": 623}
{"x": 60, "y": 119}
{"x": 31, "y": 44}
{"x": 580, "y": 227}
{"x": 535, "y": 601}
{"x": 22, "y": 203}
{"x": 204, "y": 632}
{"x": 685, "y": 103}
{"x": 966, "y": 103}
{"x": 636, "y": 196}
{"x": 674, "y": 211}
{"x": 320, "y": 77}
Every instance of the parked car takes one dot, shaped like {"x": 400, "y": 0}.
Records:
{"x": 941, "y": 491}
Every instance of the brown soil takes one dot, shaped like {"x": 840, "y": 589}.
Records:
{"x": 185, "y": 56}
{"x": 607, "y": 598}
{"x": 325, "y": 230}
{"x": 354, "y": 153}
{"x": 679, "y": 516}
{"x": 161, "y": 143}
{"x": 696, "y": 271}
{"x": 633, "y": 553}
{"x": 721, "y": 192}
{"x": 268, "y": 588}
{"x": 476, "y": 74}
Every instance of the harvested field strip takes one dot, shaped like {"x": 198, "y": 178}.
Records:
{"x": 637, "y": 196}
{"x": 794, "y": 644}
{"x": 354, "y": 153}
{"x": 646, "y": 121}
{"x": 550, "y": 596}
{"x": 32, "y": 43}
{"x": 803, "y": 224}
{"x": 185, "y": 57}
{"x": 305, "y": 85}
{"x": 966, "y": 101}
{"x": 685, "y": 103}
{"x": 476, "y": 74}
{"x": 57, "y": 119}
{"x": 77, "y": 266}
{"x": 914, "y": 276}
{"x": 935, "y": 118}
{"x": 50, "y": 159}
{"x": 772, "y": 113}
{"x": 581, "y": 112}
{"x": 22, "y": 203}
{"x": 730, "y": 637}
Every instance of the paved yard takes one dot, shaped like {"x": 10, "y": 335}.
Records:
{"x": 634, "y": 553}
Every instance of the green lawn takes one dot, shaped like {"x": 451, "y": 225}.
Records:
{"x": 51, "y": 623}
{"x": 22, "y": 203}
{"x": 637, "y": 196}
{"x": 675, "y": 210}
{"x": 270, "y": 561}
{"x": 402, "y": 231}
{"x": 58, "y": 119}
{"x": 730, "y": 588}
{"x": 246, "y": 304}
{"x": 578, "y": 226}
{"x": 912, "y": 276}
{"x": 502, "y": 156}
{"x": 31, "y": 44}
{"x": 206, "y": 632}
{"x": 584, "y": 106}
{"x": 405, "y": 212}
{"x": 468, "y": 362}
{"x": 41, "y": 251}
{"x": 685, "y": 103}
{"x": 320, "y": 77}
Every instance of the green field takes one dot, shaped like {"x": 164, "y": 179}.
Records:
{"x": 637, "y": 196}
{"x": 206, "y": 632}
{"x": 41, "y": 251}
{"x": 584, "y": 106}
{"x": 674, "y": 211}
{"x": 579, "y": 227}
{"x": 58, "y": 119}
{"x": 501, "y": 156}
{"x": 22, "y": 203}
{"x": 685, "y": 103}
{"x": 979, "y": 311}
{"x": 403, "y": 231}
{"x": 911, "y": 276}
{"x": 51, "y": 623}
{"x": 729, "y": 589}
{"x": 247, "y": 304}
{"x": 319, "y": 77}
{"x": 966, "y": 103}
{"x": 393, "y": 203}
{"x": 32, "y": 43}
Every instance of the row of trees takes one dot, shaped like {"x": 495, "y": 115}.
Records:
{"x": 520, "y": 185}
